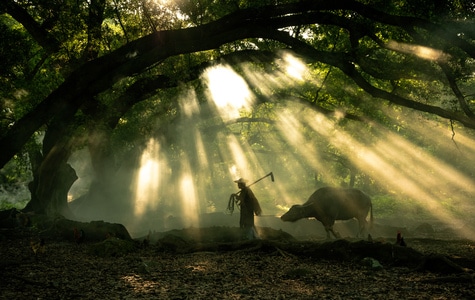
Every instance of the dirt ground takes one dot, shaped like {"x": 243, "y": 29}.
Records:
{"x": 213, "y": 263}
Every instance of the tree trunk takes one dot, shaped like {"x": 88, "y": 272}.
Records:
{"x": 103, "y": 164}
{"x": 53, "y": 176}
{"x": 49, "y": 189}
{"x": 109, "y": 192}
{"x": 36, "y": 158}
{"x": 56, "y": 199}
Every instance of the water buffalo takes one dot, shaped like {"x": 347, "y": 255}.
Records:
{"x": 328, "y": 204}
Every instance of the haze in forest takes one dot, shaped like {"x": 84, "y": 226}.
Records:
{"x": 419, "y": 161}
{"x": 145, "y": 112}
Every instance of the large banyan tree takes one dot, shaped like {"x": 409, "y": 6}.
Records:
{"x": 59, "y": 58}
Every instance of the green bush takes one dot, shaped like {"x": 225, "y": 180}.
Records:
{"x": 5, "y": 203}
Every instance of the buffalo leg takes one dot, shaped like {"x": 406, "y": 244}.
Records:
{"x": 362, "y": 226}
{"x": 329, "y": 229}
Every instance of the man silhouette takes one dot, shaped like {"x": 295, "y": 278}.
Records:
{"x": 249, "y": 206}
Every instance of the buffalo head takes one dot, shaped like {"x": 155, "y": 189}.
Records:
{"x": 296, "y": 212}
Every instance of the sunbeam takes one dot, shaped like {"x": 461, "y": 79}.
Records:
{"x": 211, "y": 143}
{"x": 291, "y": 72}
{"x": 294, "y": 67}
{"x": 400, "y": 165}
{"x": 147, "y": 182}
{"x": 239, "y": 157}
{"x": 189, "y": 200}
{"x": 292, "y": 129}
{"x": 420, "y": 51}
{"x": 228, "y": 90}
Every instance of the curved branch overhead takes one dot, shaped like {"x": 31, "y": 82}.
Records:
{"x": 266, "y": 22}
{"x": 39, "y": 34}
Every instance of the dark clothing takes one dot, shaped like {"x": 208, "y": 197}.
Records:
{"x": 249, "y": 206}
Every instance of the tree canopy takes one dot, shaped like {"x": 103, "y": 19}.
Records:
{"x": 397, "y": 38}
{"x": 77, "y": 69}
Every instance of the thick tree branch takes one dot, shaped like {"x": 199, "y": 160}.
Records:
{"x": 343, "y": 62}
{"x": 41, "y": 36}
{"x": 458, "y": 94}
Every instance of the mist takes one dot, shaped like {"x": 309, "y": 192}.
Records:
{"x": 421, "y": 163}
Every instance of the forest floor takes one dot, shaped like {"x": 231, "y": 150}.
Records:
{"x": 207, "y": 264}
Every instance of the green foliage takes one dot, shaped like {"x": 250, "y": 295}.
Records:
{"x": 17, "y": 170}
{"x": 385, "y": 205}
{"x": 390, "y": 206}
{"x": 6, "y": 203}
{"x": 199, "y": 12}
{"x": 12, "y": 64}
